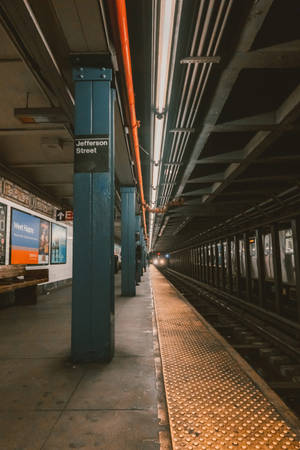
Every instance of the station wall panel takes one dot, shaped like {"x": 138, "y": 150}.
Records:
{"x": 57, "y": 272}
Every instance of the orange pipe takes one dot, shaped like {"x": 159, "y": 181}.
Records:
{"x": 124, "y": 39}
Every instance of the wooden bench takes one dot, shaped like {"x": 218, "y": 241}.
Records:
{"x": 23, "y": 282}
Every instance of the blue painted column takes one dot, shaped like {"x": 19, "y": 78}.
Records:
{"x": 138, "y": 242}
{"x": 142, "y": 250}
{"x": 145, "y": 256}
{"x": 128, "y": 241}
{"x": 93, "y": 257}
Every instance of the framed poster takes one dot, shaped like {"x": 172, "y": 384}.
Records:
{"x": 3, "y": 216}
{"x": 58, "y": 244}
{"x": 29, "y": 239}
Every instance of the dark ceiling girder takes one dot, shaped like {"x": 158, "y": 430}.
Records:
{"x": 269, "y": 59}
{"x": 274, "y": 177}
{"x": 197, "y": 192}
{"x": 29, "y": 130}
{"x": 198, "y": 202}
{"x": 39, "y": 165}
{"x": 204, "y": 212}
{"x": 208, "y": 178}
{"x": 222, "y": 158}
{"x": 265, "y": 121}
{"x": 278, "y": 159}
{"x": 257, "y": 15}
{"x": 57, "y": 183}
{"x": 287, "y": 112}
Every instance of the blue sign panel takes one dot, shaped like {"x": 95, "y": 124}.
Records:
{"x": 58, "y": 245}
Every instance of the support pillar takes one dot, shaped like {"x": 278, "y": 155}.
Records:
{"x": 93, "y": 257}
{"x": 237, "y": 265}
{"x": 142, "y": 250}
{"x": 260, "y": 268}
{"x": 229, "y": 265}
{"x": 296, "y": 245}
{"x": 247, "y": 267}
{"x": 277, "y": 268}
{"x": 138, "y": 242}
{"x": 128, "y": 241}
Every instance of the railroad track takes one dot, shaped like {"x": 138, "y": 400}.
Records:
{"x": 274, "y": 354}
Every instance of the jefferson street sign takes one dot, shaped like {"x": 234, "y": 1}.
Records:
{"x": 91, "y": 154}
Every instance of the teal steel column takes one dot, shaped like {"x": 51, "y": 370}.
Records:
{"x": 142, "y": 250}
{"x": 145, "y": 256}
{"x": 128, "y": 241}
{"x": 139, "y": 242}
{"x": 93, "y": 257}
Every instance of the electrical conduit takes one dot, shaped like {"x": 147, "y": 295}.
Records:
{"x": 120, "y": 8}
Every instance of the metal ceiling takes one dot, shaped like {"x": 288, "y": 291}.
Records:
{"x": 36, "y": 46}
{"x": 231, "y": 146}
{"x": 232, "y": 129}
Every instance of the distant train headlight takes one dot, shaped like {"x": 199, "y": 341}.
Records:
{"x": 162, "y": 261}
{"x": 155, "y": 261}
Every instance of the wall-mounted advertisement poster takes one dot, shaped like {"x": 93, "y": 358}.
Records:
{"x": 3, "y": 212}
{"x": 29, "y": 239}
{"x": 58, "y": 244}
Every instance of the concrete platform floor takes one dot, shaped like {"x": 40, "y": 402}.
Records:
{"x": 47, "y": 403}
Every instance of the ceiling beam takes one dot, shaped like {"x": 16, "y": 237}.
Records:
{"x": 30, "y": 131}
{"x": 223, "y": 158}
{"x": 208, "y": 178}
{"x": 265, "y": 121}
{"x": 197, "y": 192}
{"x": 275, "y": 177}
{"x": 256, "y": 17}
{"x": 56, "y": 183}
{"x": 41, "y": 164}
{"x": 278, "y": 159}
{"x": 204, "y": 210}
{"x": 221, "y": 204}
{"x": 288, "y": 111}
{"x": 250, "y": 191}
{"x": 275, "y": 57}
{"x": 12, "y": 59}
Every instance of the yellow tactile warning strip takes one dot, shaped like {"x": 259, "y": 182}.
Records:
{"x": 212, "y": 402}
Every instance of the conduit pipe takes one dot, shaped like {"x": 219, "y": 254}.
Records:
{"x": 120, "y": 8}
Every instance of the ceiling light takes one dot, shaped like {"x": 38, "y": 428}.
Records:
{"x": 167, "y": 9}
{"x": 40, "y": 115}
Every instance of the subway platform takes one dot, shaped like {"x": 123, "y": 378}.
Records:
{"x": 214, "y": 399}
{"x": 48, "y": 403}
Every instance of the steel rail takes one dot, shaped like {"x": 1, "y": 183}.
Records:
{"x": 291, "y": 328}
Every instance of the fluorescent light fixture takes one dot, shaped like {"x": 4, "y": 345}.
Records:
{"x": 158, "y": 134}
{"x": 165, "y": 37}
{"x": 153, "y": 197}
{"x": 155, "y": 173}
{"x": 40, "y": 115}
{"x": 166, "y": 21}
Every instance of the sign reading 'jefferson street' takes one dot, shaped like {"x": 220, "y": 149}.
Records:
{"x": 91, "y": 154}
